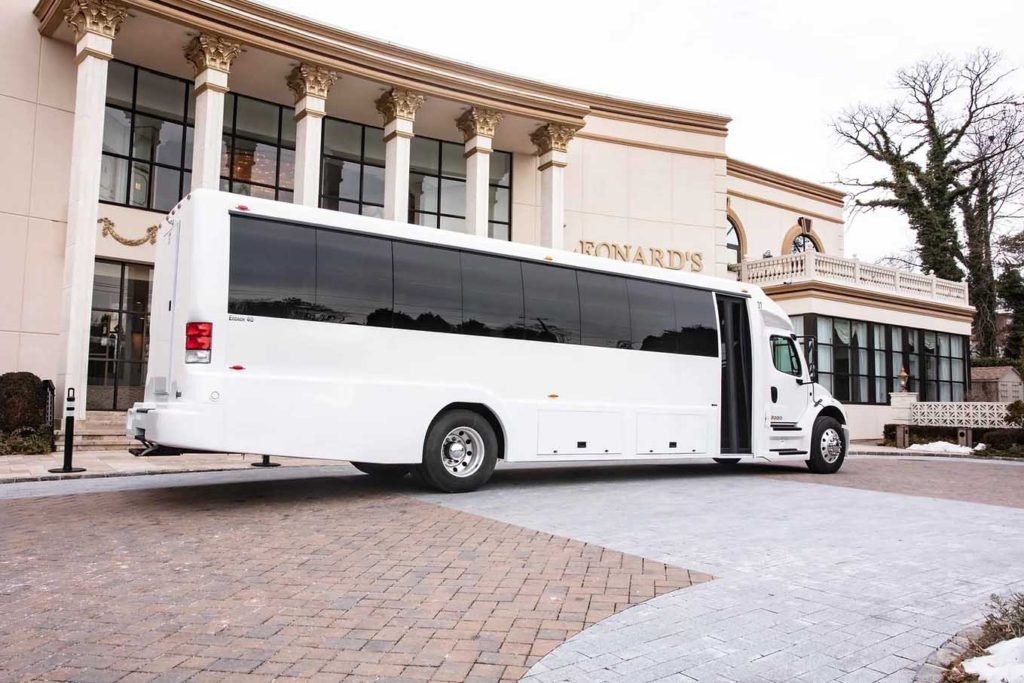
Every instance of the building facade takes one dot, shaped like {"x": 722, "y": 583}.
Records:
{"x": 118, "y": 109}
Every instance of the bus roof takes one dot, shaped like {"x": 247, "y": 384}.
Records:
{"x": 216, "y": 200}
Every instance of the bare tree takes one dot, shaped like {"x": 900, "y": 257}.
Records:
{"x": 947, "y": 147}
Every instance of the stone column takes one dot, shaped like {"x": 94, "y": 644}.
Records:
{"x": 95, "y": 23}
{"x": 552, "y": 142}
{"x": 478, "y": 126}
{"x": 310, "y": 83}
{"x": 398, "y": 107}
{"x": 211, "y": 56}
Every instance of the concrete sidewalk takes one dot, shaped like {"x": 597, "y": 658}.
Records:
{"x": 120, "y": 463}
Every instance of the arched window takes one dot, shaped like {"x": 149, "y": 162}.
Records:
{"x": 732, "y": 241}
{"x": 802, "y": 243}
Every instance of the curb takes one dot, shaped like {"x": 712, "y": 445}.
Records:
{"x": 934, "y": 668}
{"x": 935, "y": 454}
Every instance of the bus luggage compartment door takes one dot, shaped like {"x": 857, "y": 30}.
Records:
{"x": 579, "y": 432}
{"x": 663, "y": 433}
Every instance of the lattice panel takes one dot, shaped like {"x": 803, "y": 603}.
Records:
{"x": 948, "y": 414}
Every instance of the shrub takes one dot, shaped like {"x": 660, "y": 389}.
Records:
{"x": 25, "y": 441}
{"x": 22, "y": 401}
{"x": 1015, "y": 414}
{"x": 1002, "y": 439}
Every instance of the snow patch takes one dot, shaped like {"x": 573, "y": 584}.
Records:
{"x": 941, "y": 447}
{"x": 1004, "y": 663}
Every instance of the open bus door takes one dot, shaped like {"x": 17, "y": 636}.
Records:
{"x": 734, "y": 328}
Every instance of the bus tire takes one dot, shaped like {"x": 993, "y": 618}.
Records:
{"x": 459, "y": 452}
{"x": 828, "y": 449}
{"x": 727, "y": 461}
{"x": 382, "y": 471}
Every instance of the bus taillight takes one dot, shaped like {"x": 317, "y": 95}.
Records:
{"x": 198, "y": 342}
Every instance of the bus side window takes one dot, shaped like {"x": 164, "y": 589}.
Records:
{"x": 604, "y": 309}
{"x": 696, "y": 321}
{"x": 428, "y": 288}
{"x": 784, "y": 356}
{"x": 492, "y": 296}
{"x": 552, "y": 304}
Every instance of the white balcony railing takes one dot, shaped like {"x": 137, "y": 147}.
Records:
{"x": 815, "y": 266}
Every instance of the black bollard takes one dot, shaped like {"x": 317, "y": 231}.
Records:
{"x": 69, "y": 436}
{"x": 265, "y": 463}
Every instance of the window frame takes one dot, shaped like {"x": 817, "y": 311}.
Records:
{"x": 185, "y": 169}
{"x": 229, "y": 149}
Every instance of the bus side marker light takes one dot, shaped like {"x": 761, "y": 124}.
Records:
{"x": 552, "y": 395}
{"x": 242, "y": 207}
{"x": 237, "y": 367}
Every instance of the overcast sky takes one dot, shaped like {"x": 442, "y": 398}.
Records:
{"x": 780, "y": 68}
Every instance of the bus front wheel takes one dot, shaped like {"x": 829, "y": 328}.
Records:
{"x": 382, "y": 471}
{"x": 828, "y": 450}
{"x": 459, "y": 453}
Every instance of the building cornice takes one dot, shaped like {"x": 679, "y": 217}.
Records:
{"x": 782, "y": 205}
{"x": 780, "y": 181}
{"x": 308, "y": 41}
{"x": 872, "y": 298}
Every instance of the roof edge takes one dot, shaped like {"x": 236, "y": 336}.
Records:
{"x": 764, "y": 176}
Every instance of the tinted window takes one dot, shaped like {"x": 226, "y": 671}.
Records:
{"x": 353, "y": 279}
{"x": 697, "y": 325}
{"x": 652, "y": 316}
{"x": 604, "y": 308}
{"x": 272, "y": 268}
{"x": 552, "y": 304}
{"x": 428, "y": 288}
{"x": 784, "y": 356}
{"x": 492, "y": 296}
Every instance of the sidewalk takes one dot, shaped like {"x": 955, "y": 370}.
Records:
{"x": 120, "y": 463}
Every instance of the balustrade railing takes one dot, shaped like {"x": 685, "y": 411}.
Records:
{"x": 814, "y": 265}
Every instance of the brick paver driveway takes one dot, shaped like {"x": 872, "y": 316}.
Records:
{"x": 552, "y": 574}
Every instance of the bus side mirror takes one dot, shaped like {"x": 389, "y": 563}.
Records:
{"x": 812, "y": 359}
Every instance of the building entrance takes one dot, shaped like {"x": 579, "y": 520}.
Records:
{"x": 119, "y": 334}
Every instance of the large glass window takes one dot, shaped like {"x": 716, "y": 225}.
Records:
{"x": 147, "y": 138}
{"x": 732, "y": 241}
{"x": 352, "y": 168}
{"x": 258, "y": 154}
{"x": 861, "y": 368}
{"x": 437, "y": 187}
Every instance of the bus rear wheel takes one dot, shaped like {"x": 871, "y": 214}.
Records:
{"x": 459, "y": 453}
{"x": 828, "y": 450}
{"x": 382, "y": 471}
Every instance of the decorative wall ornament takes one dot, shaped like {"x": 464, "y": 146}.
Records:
{"x": 312, "y": 80}
{"x": 398, "y": 103}
{"x": 553, "y": 137}
{"x": 102, "y": 17}
{"x": 109, "y": 231}
{"x": 207, "y": 51}
{"x": 477, "y": 121}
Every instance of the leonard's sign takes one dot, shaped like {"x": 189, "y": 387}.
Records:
{"x": 673, "y": 259}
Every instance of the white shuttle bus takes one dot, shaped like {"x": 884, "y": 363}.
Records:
{"x": 287, "y": 330}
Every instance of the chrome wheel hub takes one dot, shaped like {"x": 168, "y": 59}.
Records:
{"x": 462, "y": 451}
{"x": 831, "y": 445}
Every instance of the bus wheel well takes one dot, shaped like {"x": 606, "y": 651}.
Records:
{"x": 834, "y": 413}
{"x": 484, "y": 412}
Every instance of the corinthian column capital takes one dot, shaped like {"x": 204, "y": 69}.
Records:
{"x": 478, "y": 121}
{"x": 310, "y": 80}
{"x": 207, "y": 51}
{"x": 398, "y": 103}
{"x": 101, "y": 17}
{"x": 553, "y": 137}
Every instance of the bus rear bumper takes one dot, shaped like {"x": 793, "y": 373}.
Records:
{"x": 175, "y": 426}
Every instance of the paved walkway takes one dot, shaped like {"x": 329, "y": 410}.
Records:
{"x": 814, "y": 582}
{"x": 567, "y": 573}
